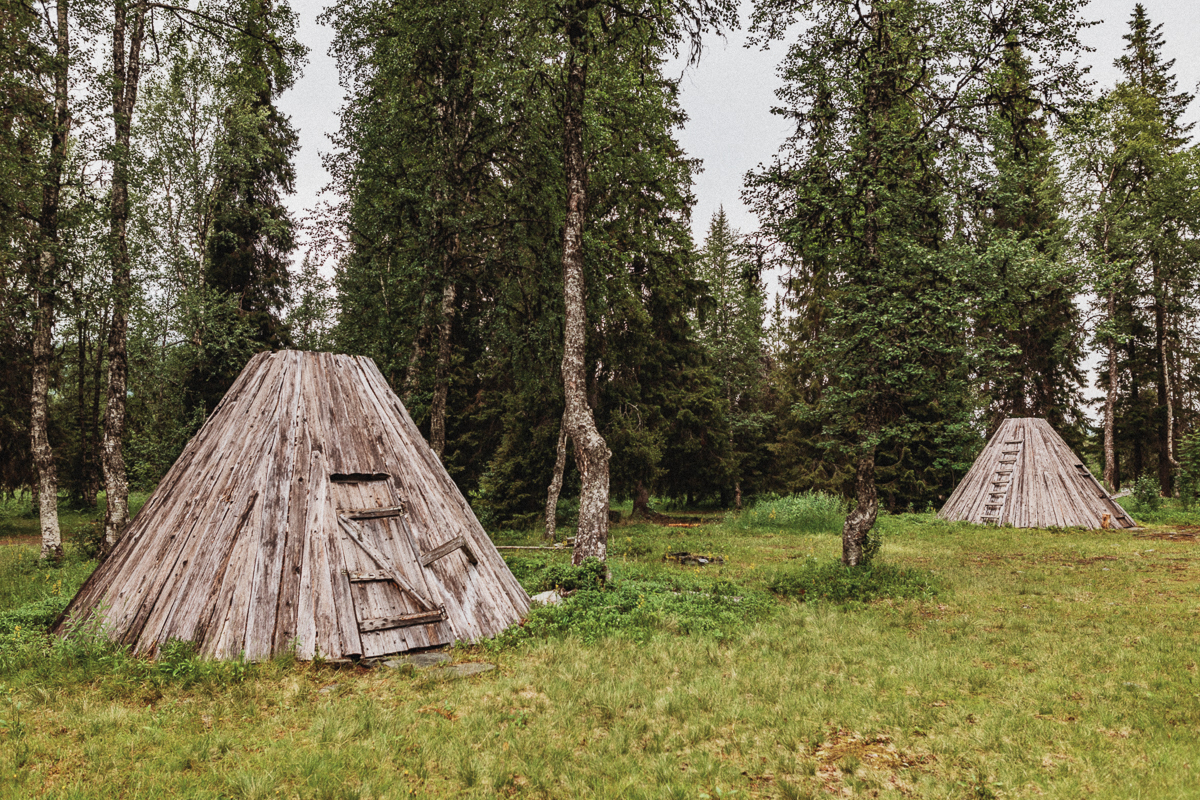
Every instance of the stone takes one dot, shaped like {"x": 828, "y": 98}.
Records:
{"x": 418, "y": 660}
{"x": 550, "y": 598}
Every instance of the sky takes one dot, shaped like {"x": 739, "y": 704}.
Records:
{"x": 727, "y": 96}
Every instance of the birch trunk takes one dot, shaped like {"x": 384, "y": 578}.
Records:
{"x": 591, "y": 451}
{"x": 126, "y": 73}
{"x": 556, "y": 480}
{"x": 45, "y": 297}
{"x": 43, "y": 454}
{"x": 860, "y": 521}
{"x": 1110, "y": 403}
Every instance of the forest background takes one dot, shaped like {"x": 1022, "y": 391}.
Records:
{"x": 964, "y": 225}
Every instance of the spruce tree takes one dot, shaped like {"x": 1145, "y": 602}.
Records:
{"x": 252, "y": 235}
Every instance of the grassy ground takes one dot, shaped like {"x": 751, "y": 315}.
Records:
{"x": 1057, "y": 664}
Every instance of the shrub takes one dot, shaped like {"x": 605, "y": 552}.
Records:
{"x": 641, "y": 608}
{"x": 809, "y": 512}
{"x": 1189, "y": 470}
{"x": 541, "y": 575}
{"x": 1146, "y": 493}
{"x": 833, "y": 582}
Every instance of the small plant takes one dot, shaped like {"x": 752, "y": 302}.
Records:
{"x": 1146, "y": 493}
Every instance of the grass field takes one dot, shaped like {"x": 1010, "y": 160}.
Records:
{"x": 1034, "y": 663}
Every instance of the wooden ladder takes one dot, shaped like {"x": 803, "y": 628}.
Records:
{"x": 993, "y": 509}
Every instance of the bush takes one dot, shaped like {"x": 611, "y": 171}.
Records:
{"x": 831, "y": 581}
{"x": 1146, "y": 492}
{"x": 810, "y": 512}
{"x": 638, "y": 607}
{"x": 38, "y": 615}
{"x": 1189, "y": 470}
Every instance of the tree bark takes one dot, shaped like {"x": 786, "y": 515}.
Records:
{"x": 45, "y": 295}
{"x": 437, "y": 412}
{"x": 43, "y": 454}
{"x": 1111, "y": 476}
{"x": 418, "y": 351}
{"x": 126, "y": 73}
{"x": 860, "y": 521}
{"x": 1166, "y": 450}
{"x": 591, "y": 451}
{"x": 556, "y": 480}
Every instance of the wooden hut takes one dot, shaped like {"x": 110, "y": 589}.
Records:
{"x": 1028, "y": 477}
{"x": 309, "y": 513}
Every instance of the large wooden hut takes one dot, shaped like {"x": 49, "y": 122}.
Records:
{"x": 1028, "y": 477}
{"x": 309, "y": 513}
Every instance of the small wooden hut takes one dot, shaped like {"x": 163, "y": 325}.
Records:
{"x": 1028, "y": 477}
{"x": 309, "y": 513}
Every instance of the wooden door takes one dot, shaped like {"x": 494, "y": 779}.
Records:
{"x": 395, "y": 607}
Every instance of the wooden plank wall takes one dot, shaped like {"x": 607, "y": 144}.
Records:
{"x": 1051, "y": 486}
{"x": 239, "y": 547}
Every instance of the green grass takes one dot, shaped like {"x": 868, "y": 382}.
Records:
{"x": 809, "y": 512}
{"x": 1058, "y": 664}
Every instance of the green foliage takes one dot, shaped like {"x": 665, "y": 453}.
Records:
{"x": 541, "y": 576}
{"x": 38, "y": 615}
{"x": 1189, "y": 469}
{"x": 641, "y": 608}
{"x": 808, "y": 512}
{"x": 831, "y": 581}
{"x": 1148, "y": 493}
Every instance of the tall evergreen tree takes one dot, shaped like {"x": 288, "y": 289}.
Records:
{"x": 880, "y": 94}
{"x": 1028, "y": 315}
{"x": 252, "y": 235}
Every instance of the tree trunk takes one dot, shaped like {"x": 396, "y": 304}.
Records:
{"x": 860, "y": 521}
{"x": 1139, "y": 441}
{"x": 556, "y": 480}
{"x": 45, "y": 294}
{"x": 591, "y": 452}
{"x": 418, "y": 351}
{"x": 43, "y": 455}
{"x": 126, "y": 73}
{"x": 437, "y": 412}
{"x": 1166, "y": 450}
{"x": 1111, "y": 476}
{"x": 641, "y": 502}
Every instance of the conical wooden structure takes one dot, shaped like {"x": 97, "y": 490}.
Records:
{"x": 1028, "y": 477}
{"x": 307, "y": 513}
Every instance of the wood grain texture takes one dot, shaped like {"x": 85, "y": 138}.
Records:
{"x": 241, "y": 548}
{"x": 1028, "y": 477}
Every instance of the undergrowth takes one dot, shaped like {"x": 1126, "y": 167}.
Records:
{"x": 830, "y": 581}
{"x": 809, "y": 512}
{"x": 637, "y": 604}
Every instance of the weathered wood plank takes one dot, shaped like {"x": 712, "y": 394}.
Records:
{"x": 457, "y": 543}
{"x": 373, "y": 513}
{"x": 402, "y": 621}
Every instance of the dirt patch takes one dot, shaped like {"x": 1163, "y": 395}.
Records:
{"x": 28, "y": 540}
{"x": 1184, "y": 533}
{"x": 673, "y": 521}
{"x": 844, "y": 753}
{"x": 693, "y": 559}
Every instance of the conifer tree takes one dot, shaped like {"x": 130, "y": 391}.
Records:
{"x": 1028, "y": 317}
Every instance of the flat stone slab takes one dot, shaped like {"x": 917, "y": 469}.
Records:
{"x": 462, "y": 670}
{"x": 417, "y": 660}
{"x": 550, "y": 598}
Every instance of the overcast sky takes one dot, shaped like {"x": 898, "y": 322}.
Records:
{"x": 728, "y": 99}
